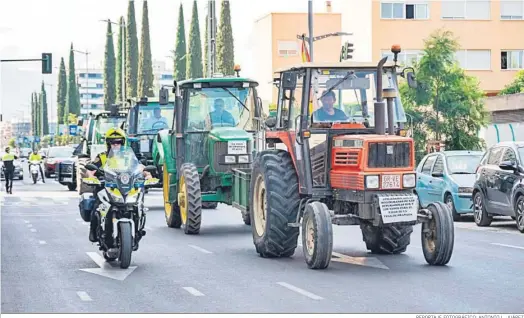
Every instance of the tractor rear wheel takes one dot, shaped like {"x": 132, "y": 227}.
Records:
{"x": 190, "y": 198}
{"x": 275, "y": 198}
{"x": 171, "y": 211}
{"x": 390, "y": 239}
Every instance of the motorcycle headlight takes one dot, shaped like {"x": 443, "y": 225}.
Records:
{"x": 116, "y": 195}
{"x": 372, "y": 182}
{"x": 132, "y": 198}
{"x": 409, "y": 180}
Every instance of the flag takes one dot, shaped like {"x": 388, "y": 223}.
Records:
{"x": 305, "y": 51}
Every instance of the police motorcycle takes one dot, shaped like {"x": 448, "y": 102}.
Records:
{"x": 34, "y": 170}
{"x": 118, "y": 204}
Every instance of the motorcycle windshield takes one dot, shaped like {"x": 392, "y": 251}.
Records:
{"x": 121, "y": 169}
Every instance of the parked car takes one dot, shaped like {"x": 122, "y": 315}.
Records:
{"x": 448, "y": 176}
{"x": 499, "y": 185}
{"x": 54, "y": 156}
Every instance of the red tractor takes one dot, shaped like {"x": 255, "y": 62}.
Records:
{"x": 336, "y": 161}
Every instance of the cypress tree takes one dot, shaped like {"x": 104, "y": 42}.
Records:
{"x": 45, "y": 120}
{"x": 131, "y": 52}
{"x": 118, "y": 76}
{"x": 33, "y": 114}
{"x": 109, "y": 70}
{"x": 206, "y": 46}
{"x": 38, "y": 115}
{"x": 61, "y": 99}
{"x": 145, "y": 67}
{"x": 194, "y": 67}
{"x": 180, "y": 62}
{"x": 73, "y": 101}
{"x": 225, "y": 45}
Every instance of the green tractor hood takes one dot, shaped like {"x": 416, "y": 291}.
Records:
{"x": 229, "y": 133}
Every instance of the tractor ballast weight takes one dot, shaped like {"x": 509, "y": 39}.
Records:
{"x": 215, "y": 134}
{"x": 327, "y": 167}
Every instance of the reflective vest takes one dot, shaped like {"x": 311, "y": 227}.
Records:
{"x": 35, "y": 157}
{"x": 8, "y": 157}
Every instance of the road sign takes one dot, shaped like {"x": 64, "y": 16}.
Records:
{"x": 72, "y": 130}
{"x": 37, "y": 139}
{"x": 26, "y": 140}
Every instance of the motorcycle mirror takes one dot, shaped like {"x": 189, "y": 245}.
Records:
{"x": 150, "y": 168}
{"x": 91, "y": 167}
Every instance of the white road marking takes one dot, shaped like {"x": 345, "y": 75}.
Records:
{"x": 42, "y": 242}
{"x": 26, "y": 221}
{"x": 511, "y": 246}
{"x": 193, "y": 291}
{"x": 83, "y": 296}
{"x": 106, "y": 269}
{"x": 33, "y": 230}
{"x": 200, "y": 249}
{"x": 29, "y": 225}
{"x": 300, "y": 291}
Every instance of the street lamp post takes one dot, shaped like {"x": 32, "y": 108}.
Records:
{"x": 310, "y": 26}
{"x": 86, "y": 53}
{"x": 123, "y": 57}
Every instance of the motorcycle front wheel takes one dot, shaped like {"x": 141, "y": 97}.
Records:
{"x": 126, "y": 244}
{"x": 35, "y": 178}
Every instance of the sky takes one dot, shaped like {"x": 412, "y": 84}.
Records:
{"x": 31, "y": 27}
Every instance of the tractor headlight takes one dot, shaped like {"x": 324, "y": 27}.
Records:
{"x": 243, "y": 159}
{"x": 409, "y": 180}
{"x": 230, "y": 159}
{"x": 372, "y": 182}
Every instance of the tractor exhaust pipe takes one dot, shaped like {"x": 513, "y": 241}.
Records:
{"x": 380, "y": 106}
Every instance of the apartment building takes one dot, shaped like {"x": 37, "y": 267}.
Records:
{"x": 277, "y": 45}
{"x": 488, "y": 31}
{"x": 91, "y": 89}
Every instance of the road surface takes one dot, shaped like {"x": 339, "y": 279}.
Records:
{"x": 49, "y": 266}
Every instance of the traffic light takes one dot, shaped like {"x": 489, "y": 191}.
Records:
{"x": 47, "y": 63}
{"x": 347, "y": 48}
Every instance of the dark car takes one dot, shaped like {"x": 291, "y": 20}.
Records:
{"x": 54, "y": 156}
{"x": 499, "y": 185}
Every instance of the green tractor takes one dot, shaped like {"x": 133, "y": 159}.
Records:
{"x": 93, "y": 141}
{"x": 217, "y": 131}
{"x": 145, "y": 119}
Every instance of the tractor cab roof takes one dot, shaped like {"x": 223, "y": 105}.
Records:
{"x": 226, "y": 81}
{"x": 332, "y": 65}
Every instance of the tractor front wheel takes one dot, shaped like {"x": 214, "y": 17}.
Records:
{"x": 171, "y": 211}
{"x": 190, "y": 198}
{"x": 275, "y": 198}
{"x": 438, "y": 235}
{"x": 317, "y": 235}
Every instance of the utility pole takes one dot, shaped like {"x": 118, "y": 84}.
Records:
{"x": 86, "y": 53}
{"x": 211, "y": 37}
{"x": 310, "y": 25}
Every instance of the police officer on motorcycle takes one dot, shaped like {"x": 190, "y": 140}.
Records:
{"x": 35, "y": 156}
{"x": 9, "y": 169}
{"x": 115, "y": 138}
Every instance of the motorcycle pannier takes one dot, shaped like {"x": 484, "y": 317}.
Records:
{"x": 86, "y": 207}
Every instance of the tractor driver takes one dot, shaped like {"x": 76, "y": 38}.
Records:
{"x": 157, "y": 121}
{"x": 327, "y": 113}
{"x": 220, "y": 115}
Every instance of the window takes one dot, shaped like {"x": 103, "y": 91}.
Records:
{"x": 411, "y": 10}
{"x": 474, "y": 60}
{"x": 287, "y": 48}
{"x": 439, "y": 165}
{"x": 166, "y": 77}
{"x": 405, "y": 58}
{"x": 521, "y": 154}
{"x": 426, "y": 168}
{"x": 509, "y": 155}
{"x": 511, "y": 9}
{"x": 466, "y": 9}
{"x": 99, "y": 85}
{"x": 495, "y": 155}
{"x": 512, "y": 60}
{"x": 95, "y": 75}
